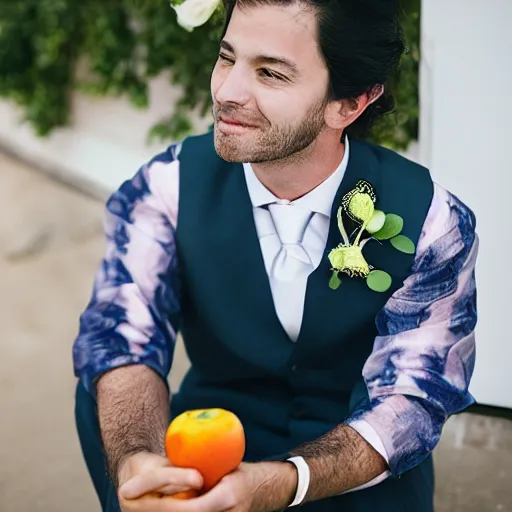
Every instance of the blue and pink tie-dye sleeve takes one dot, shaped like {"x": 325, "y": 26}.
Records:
{"x": 423, "y": 358}
{"x": 134, "y": 310}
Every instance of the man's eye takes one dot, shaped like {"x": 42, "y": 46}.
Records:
{"x": 267, "y": 73}
{"x": 225, "y": 58}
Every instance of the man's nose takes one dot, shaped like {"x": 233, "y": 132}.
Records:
{"x": 234, "y": 88}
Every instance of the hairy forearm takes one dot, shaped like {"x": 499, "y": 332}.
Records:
{"x": 133, "y": 410}
{"x": 339, "y": 461}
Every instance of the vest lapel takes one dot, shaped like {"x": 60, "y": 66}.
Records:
{"x": 251, "y": 267}
{"x": 343, "y": 304}
{"x": 242, "y": 283}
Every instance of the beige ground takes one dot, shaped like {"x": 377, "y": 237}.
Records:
{"x": 50, "y": 244}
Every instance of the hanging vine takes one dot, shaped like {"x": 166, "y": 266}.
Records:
{"x": 50, "y": 48}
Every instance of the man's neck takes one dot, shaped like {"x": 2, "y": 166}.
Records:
{"x": 299, "y": 174}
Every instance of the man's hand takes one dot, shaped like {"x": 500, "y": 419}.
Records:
{"x": 253, "y": 487}
{"x": 258, "y": 487}
{"x": 146, "y": 478}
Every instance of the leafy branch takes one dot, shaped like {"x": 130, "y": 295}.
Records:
{"x": 49, "y": 48}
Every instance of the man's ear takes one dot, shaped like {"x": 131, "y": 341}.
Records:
{"x": 342, "y": 113}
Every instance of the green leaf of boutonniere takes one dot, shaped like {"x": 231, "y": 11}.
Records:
{"x": 376, "y": 223}
{"x": 404, "y": 244}
{"x": 392, "y": 227}
{"x": 378, "y": 281}
{"x": 335, "y": 281}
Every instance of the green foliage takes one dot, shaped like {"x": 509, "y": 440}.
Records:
{"x": 378, "y": 281}
{"x": 396, "y": 130}
{"x": 403, "y": 243}
{"x": 118, "y": 46}
{"x": 393, "y": 225}
{"x": 334, "y": 281}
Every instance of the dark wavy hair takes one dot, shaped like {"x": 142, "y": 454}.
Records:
{"x": 361, "y": 42}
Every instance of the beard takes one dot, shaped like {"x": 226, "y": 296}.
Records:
{"x": 269, "y": 143}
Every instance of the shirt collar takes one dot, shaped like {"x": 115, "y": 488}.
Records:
{"x": 319, "y": 200}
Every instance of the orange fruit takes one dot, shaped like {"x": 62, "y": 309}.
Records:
{"x": 212, "y": 441}
{"x": 182, "y": 495}
{"x": 185, "y": 495}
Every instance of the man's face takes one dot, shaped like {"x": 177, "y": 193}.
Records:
{"x": 269, "y": 85}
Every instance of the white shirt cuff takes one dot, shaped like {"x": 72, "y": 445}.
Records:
{"x": 365, "y": 430}
{"x": 369, "y": 434}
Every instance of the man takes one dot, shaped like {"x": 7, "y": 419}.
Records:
{"x": 342, "y": 392}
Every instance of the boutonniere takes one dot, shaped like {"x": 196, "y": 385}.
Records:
{"x": 347, "y": 257}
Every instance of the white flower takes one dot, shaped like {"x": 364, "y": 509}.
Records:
{"x": 194, "y": 13}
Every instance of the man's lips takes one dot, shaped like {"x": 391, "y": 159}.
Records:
{"x": 236, "y": 122}
{"x": 234, "y": 126}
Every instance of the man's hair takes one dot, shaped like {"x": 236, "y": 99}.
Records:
{"x": 361, "y": 42}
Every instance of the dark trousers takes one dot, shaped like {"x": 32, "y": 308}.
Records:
{"x": 88, "y": 427}
{"x": 413, "y": 492}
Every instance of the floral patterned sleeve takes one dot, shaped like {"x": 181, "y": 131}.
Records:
{"x": 423, "y": 358}
{"x": 133, "y": 314}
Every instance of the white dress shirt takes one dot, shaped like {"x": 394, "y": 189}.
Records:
{"x": 291, "y": 304}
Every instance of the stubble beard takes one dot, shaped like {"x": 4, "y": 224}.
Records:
{"x": 272, "y": 143}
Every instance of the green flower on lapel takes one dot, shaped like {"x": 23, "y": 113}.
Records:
{"x": 359, "y": 203}
{"x": 347, "y": 257}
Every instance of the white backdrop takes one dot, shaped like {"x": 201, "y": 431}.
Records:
{"x": 465, "y": 139}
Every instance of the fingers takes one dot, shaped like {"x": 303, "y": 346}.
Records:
{"x": 167, "y": 480}
{"x": 149, "y": 503}
{"x": 221, "y": 498}
{"x": 182, "y": 495}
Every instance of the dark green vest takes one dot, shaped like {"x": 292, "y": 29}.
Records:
{"x": 285, "y": 393}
